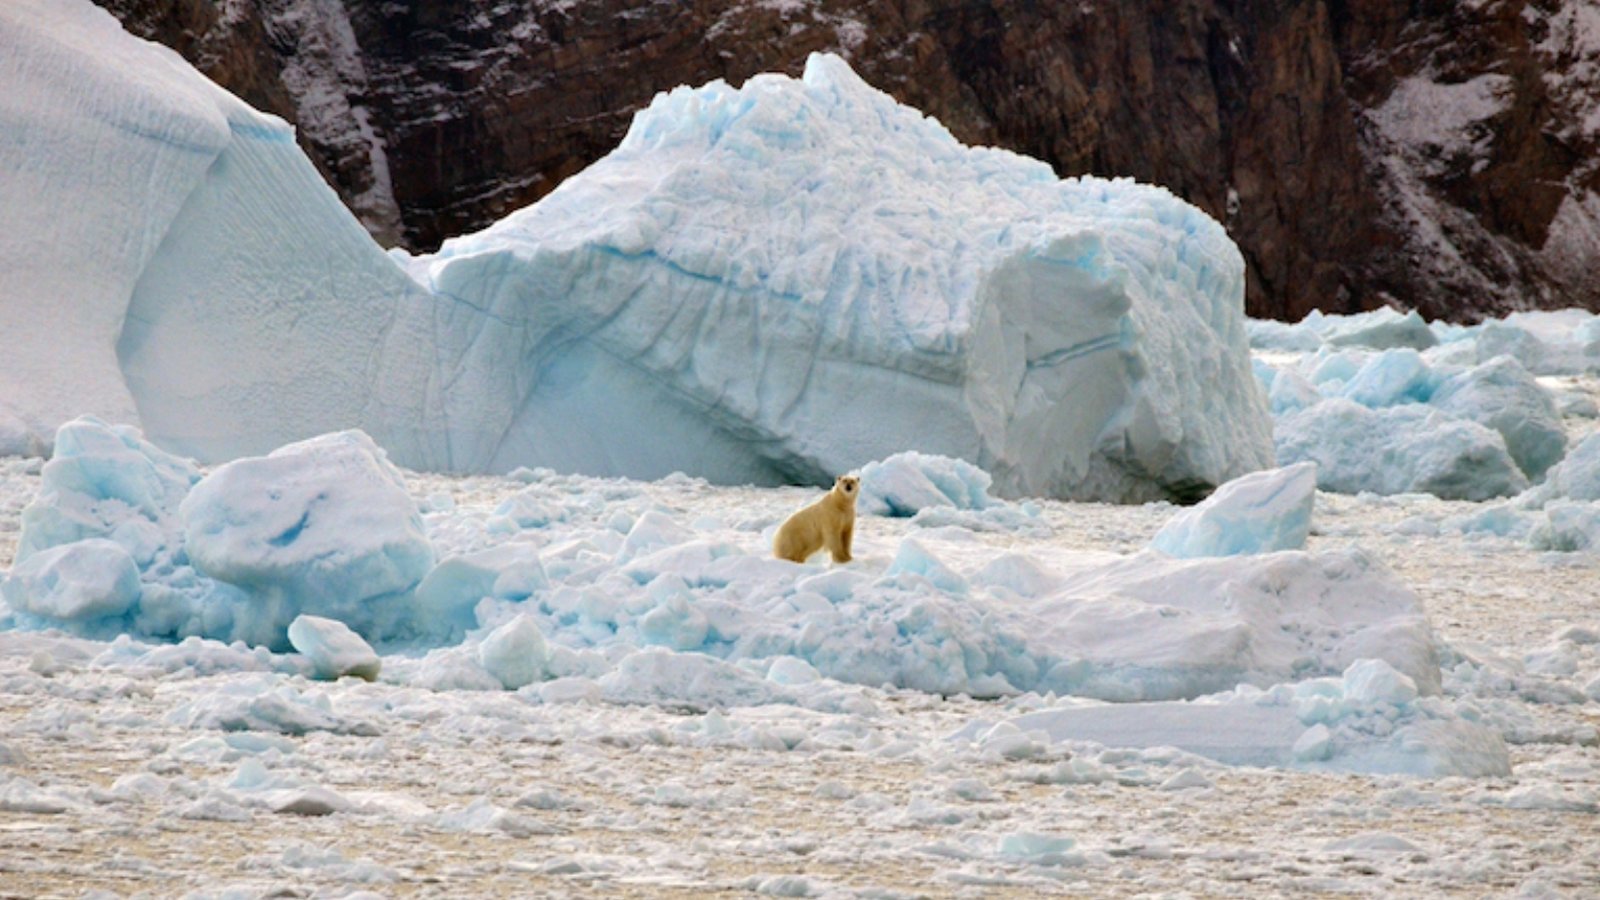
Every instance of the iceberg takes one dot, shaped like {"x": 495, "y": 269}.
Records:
{"x": 781, "y": 281}
{"x": 769, "y": 284}
{"x": 222, "y": 298}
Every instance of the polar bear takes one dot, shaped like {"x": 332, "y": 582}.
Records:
{"x": 829, "y": 522}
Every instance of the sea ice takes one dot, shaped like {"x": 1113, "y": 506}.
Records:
{"x": 1366, "y": 720}
{"x": 1257, "y": 513}
{"x": 1500, "y": 394}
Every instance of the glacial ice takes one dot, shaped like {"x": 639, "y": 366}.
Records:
{"x": 1262, "y": 512}
{"x": 1045, "y": 348}
{"x": 222, "y": 296}
{"x": 774, "y": 283}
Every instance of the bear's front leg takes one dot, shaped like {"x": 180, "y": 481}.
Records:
{"x": 841, "y": 551}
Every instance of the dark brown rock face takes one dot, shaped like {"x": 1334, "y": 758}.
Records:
{"x": 1436, "y": 155}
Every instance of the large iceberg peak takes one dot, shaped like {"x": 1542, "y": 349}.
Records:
{"x": 783, "y": 280}
{"x": 770, "y": 283}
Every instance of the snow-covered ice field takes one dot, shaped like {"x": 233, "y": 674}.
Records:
{"x": 111, "y": 781}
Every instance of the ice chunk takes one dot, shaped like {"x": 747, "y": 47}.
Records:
{"x": 676, "y": 621}
{"x": 907, "y": 483}
{"x": 84, "y": 580}
{"x": 1380, "y": 329}
{"x": 1567, "y": 527}
{"x": 1121, "y": 630}
{"x": 691, "y": 303}
{"x": 1500, "y": 394}
{"x": 688, "y": 680}
{"x": 1291, "y": 391}
{"x": 106, "y": 481}
{"x": 1577, "y": 477}
{"x": 334, "y": 650}
{"x": 914, "y": 558}
{"x": 789, "y": 670}
{"x": 1373, "y": 681}
{"x": 1257, "y": 513}
{"x": 449, "y": 592}
{"x": 1266, "y": 334}
{"x": 323, "y": 526}
{"x": 1398, "y": 449}
{"x": 515, "y": 653}
{"x": 264, "y": 703}
{"x": 1392, "y": 377}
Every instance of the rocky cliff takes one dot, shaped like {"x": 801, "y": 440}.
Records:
{"x": 1428, "y": 154}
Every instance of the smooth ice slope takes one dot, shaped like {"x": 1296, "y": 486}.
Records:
{"x": 785, "y": 280}
{"x": 173, "y": 260}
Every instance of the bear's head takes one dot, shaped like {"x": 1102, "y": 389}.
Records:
{"x": 847, "y": 485}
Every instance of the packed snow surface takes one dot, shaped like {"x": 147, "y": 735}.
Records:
{"x": 771, "y": 284}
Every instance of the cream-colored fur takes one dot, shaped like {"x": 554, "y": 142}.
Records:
{"x": 829, "y": 522}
